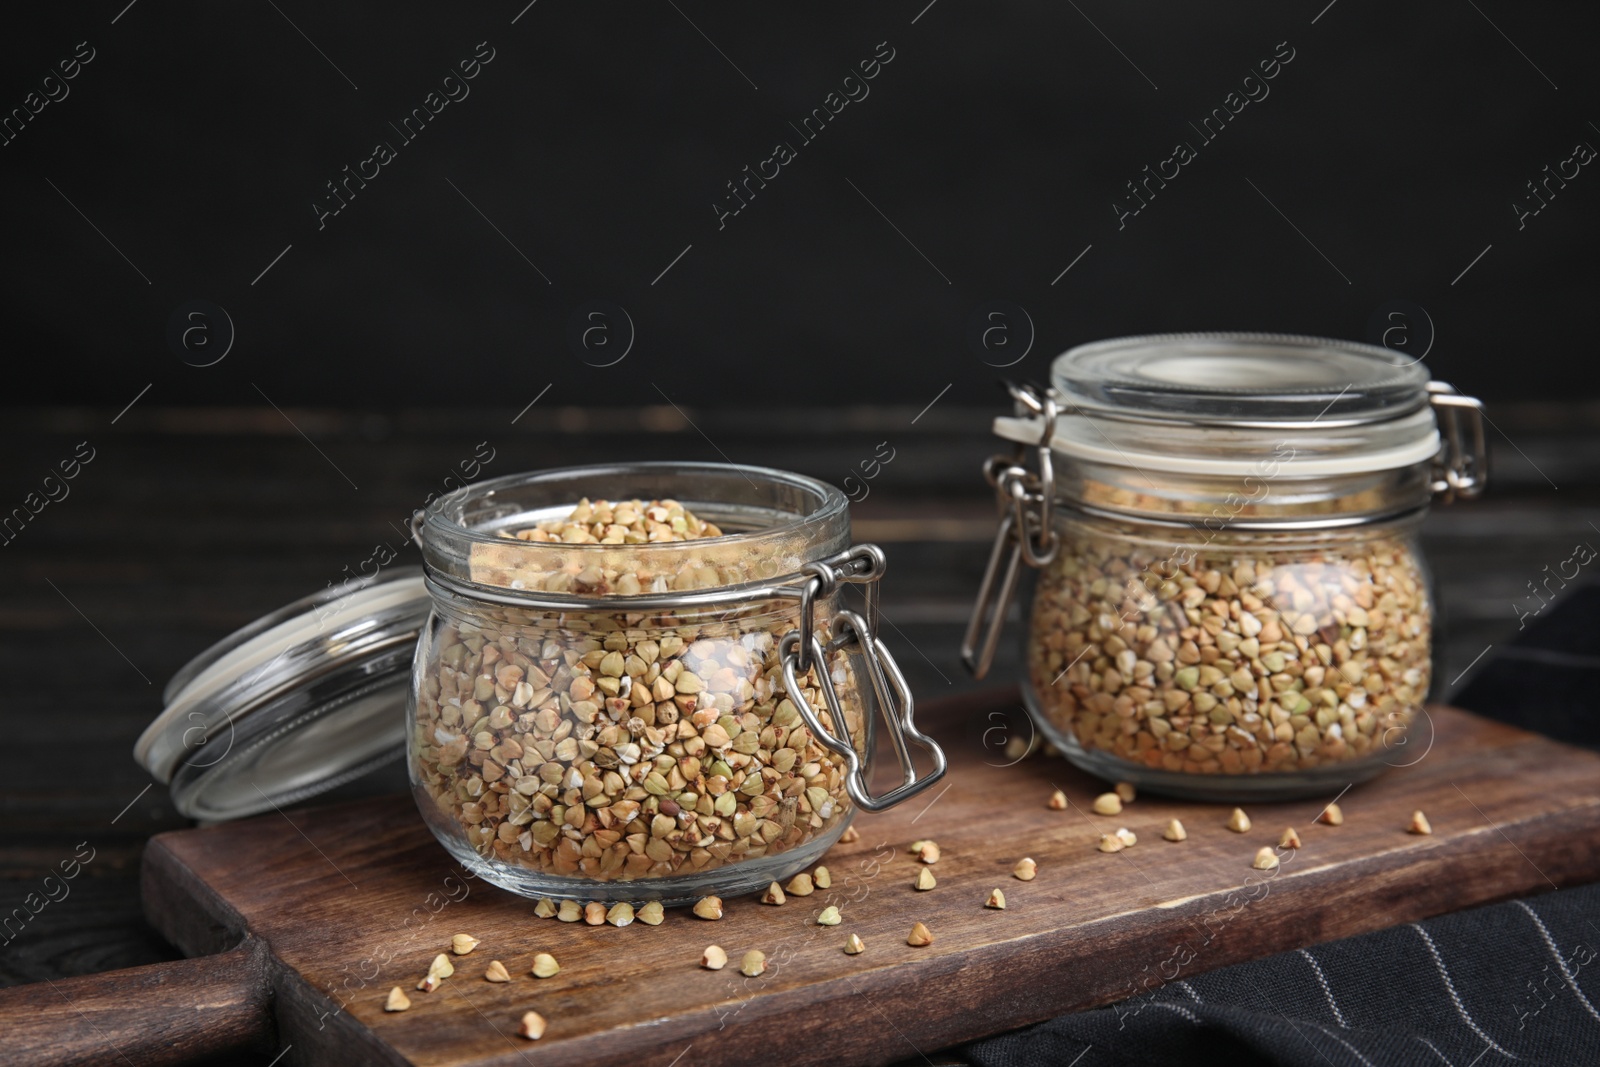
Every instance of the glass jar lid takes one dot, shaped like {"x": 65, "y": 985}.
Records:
{"x": 1212, "y": 404}
{"x": 302, "y": 700}
{"x": 1241, "y": 379}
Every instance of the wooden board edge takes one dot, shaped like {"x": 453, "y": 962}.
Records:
{"x": 323, "y": 1032}
{"x": 200, "y": 922}
{"x": 181, "y": 907}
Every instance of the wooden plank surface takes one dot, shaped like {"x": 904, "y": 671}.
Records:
{"x": 354, "y": 898}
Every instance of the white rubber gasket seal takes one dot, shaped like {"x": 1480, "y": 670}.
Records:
{"x": 1027, "y": 431}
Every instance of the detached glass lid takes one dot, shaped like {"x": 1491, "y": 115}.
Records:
{"x": 1241, "y": 379}
{"x": 298, "y": 702}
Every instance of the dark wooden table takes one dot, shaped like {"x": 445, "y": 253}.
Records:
{"x": 186, "y": 524}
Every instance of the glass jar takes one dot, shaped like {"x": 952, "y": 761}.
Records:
{"x": 658, "y": 721}
{"x": 1231, "y": 601}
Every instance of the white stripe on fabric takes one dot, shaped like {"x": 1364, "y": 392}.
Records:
{"x": 1455, "y": 998}
{"x": 1322, "y": 980}
{"x": 1353, "y": 1050}
{"x": 1179, "y": 1008}
{"x": 1572, "y": 980}
{"x": 1436, "y": 1052}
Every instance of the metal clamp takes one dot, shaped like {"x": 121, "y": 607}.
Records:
{"x": 1031, "y": 495}
{"x": 1461, "y": 469}
{"x": 801, "y": 650}
{"x": 1026, "y": 500}
{"x": 860, "y": 565}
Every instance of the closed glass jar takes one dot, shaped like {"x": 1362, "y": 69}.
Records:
{"x": 619, "y": 721}
{"x": 1231, "y": 600}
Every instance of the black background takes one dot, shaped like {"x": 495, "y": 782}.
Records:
{"x": 601, "y": 134}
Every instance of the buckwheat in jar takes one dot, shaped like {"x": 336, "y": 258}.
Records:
{"x": 1231, "y": 602}
{"x": 642, "y": 682}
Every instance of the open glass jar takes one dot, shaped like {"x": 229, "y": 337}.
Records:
{"x": 1231, "y": 602}
{"x": 659, "y": 720}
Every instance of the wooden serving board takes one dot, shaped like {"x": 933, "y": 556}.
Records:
{"x": 319, "y": 912}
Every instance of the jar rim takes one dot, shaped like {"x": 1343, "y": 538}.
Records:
{"x": 790, "y": 519}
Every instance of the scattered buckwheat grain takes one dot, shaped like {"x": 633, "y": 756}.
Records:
{"x": 440, "y": 969}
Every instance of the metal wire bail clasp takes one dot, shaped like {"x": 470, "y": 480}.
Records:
{"x": 801, "y": 650}
{"x": 1462, "y": 467}
{"x": 1026, "y": 500}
